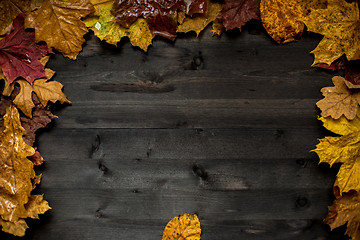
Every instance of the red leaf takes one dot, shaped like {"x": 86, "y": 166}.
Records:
{"x": 159, "y": 14}
{"x": 20, "y": 55}
{"x": 37, "y": 159}
{"x": 236, "y": 13}
{"x": 352, "y": 69}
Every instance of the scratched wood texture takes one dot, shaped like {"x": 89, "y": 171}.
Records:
{"x": 220, "y": 127}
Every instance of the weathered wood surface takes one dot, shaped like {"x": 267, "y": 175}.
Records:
{"x": 221, "y": 127}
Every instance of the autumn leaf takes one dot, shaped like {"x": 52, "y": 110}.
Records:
{"x": 200, "y": 21}
{"x": 59, "y": 24}
{"x": 104, "y": 27}
{"x": 185, "y": 226}
{"x": 41, "y": 117}
{"x": 339, "y": 100}
{"x": 20, "y": 55}
{"x": 161, "y": 16}
{"x": 36, "y": 159}
{"x": 10, "y": 9}
{"x": 346, "y": 210}
{"x": 236, "y": 13}
{"x": 352, "y": 70}
{"x": 16, "y": 201}
{"x": 282, "y": 19}
{"x": 340, "y": 24}
{"x": 344, "y": 149}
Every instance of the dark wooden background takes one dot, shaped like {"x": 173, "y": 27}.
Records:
{"x": 220, "y": 127}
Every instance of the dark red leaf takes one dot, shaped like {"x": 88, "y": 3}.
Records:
{"x": 20, "y": 55}
{"x": 236, "y": 13}
{"x": 159, "y": 14}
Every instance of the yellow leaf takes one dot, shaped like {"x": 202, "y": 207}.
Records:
{"x": 346, "y": 210}
{"x": 183, "y": 227}
{"x": 200, "y": 21}
{"x": 46, "y": 91}
{"x": 10, "y": 9}
{"x": 344, "y": 149}
{"x": 104, "y": 27}
{"x": 339, "y": 100}
{"x": 59, "y": 24}
{"x": 49, "y": 91}
{"x": 24, "y": 99}
{"x": 282, "y": 19}
{"x": 16, "y": 177}
{"x": 140, "y": 35}
{"x": 339, "y": 23}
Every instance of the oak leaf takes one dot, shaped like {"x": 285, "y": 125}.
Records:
{"x": 282, "y": 19}
{"x": 344, "y": 149}
{"x": 20, "y": 55}
{"x": 340, "y": 25}
{"x": 104, "y": 27}
{"x": 10, "y": 9}
{"x": 346, "y": 209}
{"x": 59, "y": 24}
{"x": 160, "y": 15}
{"x": 200, "y": 21}
{"x": 236, "y": 13}
{"x": 339, "y": 100}
{"x": 185, "y": 226}
{"x": 16, "y": 178}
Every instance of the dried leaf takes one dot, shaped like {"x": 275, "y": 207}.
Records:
{"x": 200, "y": 21}
{"x": 161, "y": 16}
{"x": 236, "y": 13}
{"x": 183, "y": 227}
{"x": 282, "y": 19}
{"x": 24, "y": 99}
{"x": 16, "y": 202}
{"x": 41, "y": 117}
{"x": 20, "y": 55}
{"x": 59, "y": 24}
{"x": 10, "y": 9}
{"x": 339, "y": 100}
{"x": 36, "y": 159}
{"x": 106, "y": 29}
{"x": 344, "y": 149}
{"x": 339, "y": 23}
{"x": 346, "y": 210}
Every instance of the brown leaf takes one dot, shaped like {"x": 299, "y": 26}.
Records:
{"x": 236, "y": 13}
{"x": 346, "y": 210}
{"x": 37, "y": 159}
{"x": 339, "y": 100}
{"x": 59, "y": 24}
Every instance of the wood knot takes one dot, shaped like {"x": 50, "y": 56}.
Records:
{"x": 302, "y": 202}
{"x": 199, "y": 171}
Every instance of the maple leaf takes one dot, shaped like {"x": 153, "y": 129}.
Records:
{"x": 10, "y": 9}
{"x": 160, "y": 14}
{"x": 346, "y": 210}
{"x": 44, "y": 89}
{"x": 59, "y": 24}
{"x": 282, "y": 19}
{"x": 236, "y": 13}
{"x": 340, "y": 25}
{"x": 16, "y": 177}
{"x": 344, "y": 149}
{"x": 185, "y": 226}
{"x": 20, "y": 55}
{"x": 106, "y": 29}
{"x": 200, "y": 21}
{"x": 339, "y": 100}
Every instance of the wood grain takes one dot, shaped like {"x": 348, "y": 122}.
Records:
{"x": 221, "y": 127}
